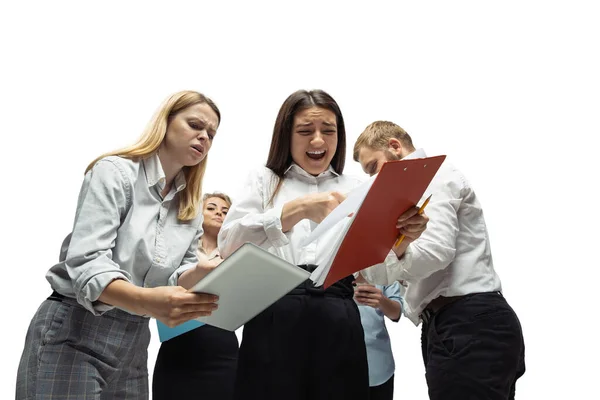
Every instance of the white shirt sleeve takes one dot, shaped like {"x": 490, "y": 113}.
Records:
{"x": 390, "y": 270}
{"x": 435, "y": 249}
{"x": 249, "y": 221}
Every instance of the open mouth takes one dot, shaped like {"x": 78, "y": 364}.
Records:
{"x": 316, "y": 155}
{"x": 198, "y": 149}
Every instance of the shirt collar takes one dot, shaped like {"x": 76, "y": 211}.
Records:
{"x": 213, "y": 254}
{"x": 180, "y": 182}
{"x": 419, "y": 153}
{"x": 295, "y": 167}
{"x": 155, "y": 174}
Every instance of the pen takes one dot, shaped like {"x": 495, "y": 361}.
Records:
{"x": 401, "y": 238}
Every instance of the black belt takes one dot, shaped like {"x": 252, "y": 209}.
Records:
{"x": 436, "y": 305}
{"x": 342, "y": 288}
{"x": 55, "y": 296}
{"x": 441, "y": 302}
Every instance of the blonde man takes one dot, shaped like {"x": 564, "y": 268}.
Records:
{"x": 130, "y": 256}
{"x": 472, "y": 341}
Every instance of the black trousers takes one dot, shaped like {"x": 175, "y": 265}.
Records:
{"x": 307, "y": 345}
{"x": 385, "y": 391}
{"x": 473, "y": 349}
{"x": 200, "y": 365}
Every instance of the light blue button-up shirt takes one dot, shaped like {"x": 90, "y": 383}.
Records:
{"x": 124, "y": 229}
{"x": 377, "y": 340}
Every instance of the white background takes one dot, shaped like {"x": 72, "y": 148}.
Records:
{"x": 509, "y": 90}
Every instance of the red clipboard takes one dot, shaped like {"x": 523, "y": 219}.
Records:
{"x": 398, "y": 186}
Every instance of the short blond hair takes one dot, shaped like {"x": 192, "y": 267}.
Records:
{"x": 377, "y": 135}
{"x": 218, "y": 195}
{"x": 153, "y": 136}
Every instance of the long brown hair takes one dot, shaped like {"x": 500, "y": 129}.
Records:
{"x": 280, "y": 154}
{"x": 152, "y": 137}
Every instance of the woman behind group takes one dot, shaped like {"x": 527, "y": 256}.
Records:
{"x": 134, "y": 240}
{"x": 200, "y": 363}
{"x": 309, "y": 344}
{"x": 375, "y": 302}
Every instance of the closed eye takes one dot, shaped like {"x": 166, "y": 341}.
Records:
{"x": 371, "y": 168}
{"x": 195, "y": 125}
{"x": 198, "y": 126}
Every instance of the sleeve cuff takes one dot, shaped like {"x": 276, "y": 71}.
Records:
{"x": 273, "y": 227}
{"x": 376, "y": 274}
{"x": 402, "y": 307}
{"x": 390, "y": 270}
{"x": 88, "y": 296}
{"x": 398, "y": 267}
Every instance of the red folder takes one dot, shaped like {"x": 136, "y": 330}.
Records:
{"x": 398, "y": 186}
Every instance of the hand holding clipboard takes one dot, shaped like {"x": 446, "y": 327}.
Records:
{"x": 372, "y": 232}
{"x": 420, "y": 212}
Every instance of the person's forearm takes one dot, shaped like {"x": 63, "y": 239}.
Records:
{"x": 292, "y": 213}
{"x": 192, "y": 276}
{"x": 390, "y": 308}
{"x": 123, "y": 294}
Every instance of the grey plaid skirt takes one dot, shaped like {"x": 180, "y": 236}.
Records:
{"x": 71, "y": 354}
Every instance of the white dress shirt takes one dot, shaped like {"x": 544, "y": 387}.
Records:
{"x": 253, "y": 219}
{"x": 452, "y": 257}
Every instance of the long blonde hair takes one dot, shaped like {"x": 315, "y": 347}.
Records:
{"x": 151, "y": 139}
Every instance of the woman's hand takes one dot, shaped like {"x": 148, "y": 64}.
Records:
{"x": 171, "y": 305}
{"x": 320, "y": 205}
{"x": 205, "y": 266}
{"x": 174, "y": 305}
{"x": 314, "y": 206}
{"x": 368, "y": 295}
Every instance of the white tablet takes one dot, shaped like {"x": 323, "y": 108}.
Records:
{"x": 247, "y": 282}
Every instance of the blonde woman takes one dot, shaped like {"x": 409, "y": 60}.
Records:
{"x": 130, "y": 256}
{"x": 204, "y": 358}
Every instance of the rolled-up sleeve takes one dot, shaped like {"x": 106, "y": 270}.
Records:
{"x": 248, "y": 221}
{"x": 392, "y": 292}
{"x": 102, "y": 204}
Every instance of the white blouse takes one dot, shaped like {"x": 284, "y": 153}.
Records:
{"x": 253, "y": 219}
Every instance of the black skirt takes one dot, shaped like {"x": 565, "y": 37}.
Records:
{"x": 200, "y": 364}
